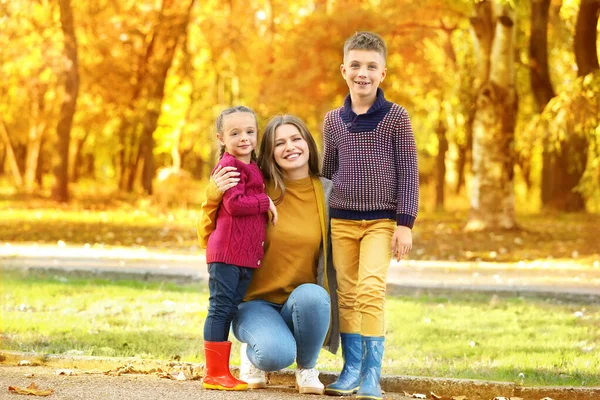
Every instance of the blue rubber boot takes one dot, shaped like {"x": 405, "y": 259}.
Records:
{"x": 349, "y": 379}
{"x": 370, "y": 371}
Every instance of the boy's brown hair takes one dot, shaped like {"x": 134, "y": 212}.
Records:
{"x": 365, "y": 40}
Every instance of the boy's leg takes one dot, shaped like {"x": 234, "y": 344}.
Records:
{"x": 271, "y": 344}
{"x": 345, "y": 240}
{"x": 223, "y": 285}
{"x": 375, "y": 257}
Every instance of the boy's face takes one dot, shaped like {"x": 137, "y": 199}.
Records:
{"x": 363, "y": 71}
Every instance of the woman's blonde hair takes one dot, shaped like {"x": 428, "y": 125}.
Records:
{"x": 266, "y": 158}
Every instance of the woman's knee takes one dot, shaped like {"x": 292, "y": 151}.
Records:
{"x": 310, "y": 294}
{"x": 273, "y": 355}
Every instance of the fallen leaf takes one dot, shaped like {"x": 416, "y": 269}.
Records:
{"x": 66, "y": 372}
{"x": 29, "y": 375}
{"x": 24, "y": 362}
{"x": 31, "y": 389}
{"x": 435, "y": 396}
{"x": 419, "y": 396}
{"x": 180, "y": 376}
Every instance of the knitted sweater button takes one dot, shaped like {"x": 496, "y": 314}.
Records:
{"x": 258, "y": 263}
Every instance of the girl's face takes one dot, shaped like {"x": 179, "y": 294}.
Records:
{"x": 239, "y": 135}
{"x": 291, "y": 152}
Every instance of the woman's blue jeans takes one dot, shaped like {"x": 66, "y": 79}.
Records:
{"x": 278, "y": 334}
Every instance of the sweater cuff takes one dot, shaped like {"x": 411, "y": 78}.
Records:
{"x": 405, "y": 220}
{"x": 263, "y": 203}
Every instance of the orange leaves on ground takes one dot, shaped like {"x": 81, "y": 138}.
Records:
{"x": 436, "y": 397}
{"x": 32, "y": 389}
{"x": 177, "y": 373}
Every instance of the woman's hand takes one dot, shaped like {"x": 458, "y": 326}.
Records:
{"x": 225, "y": 178}
{"x": 273, "y": 210}
{"x": 401, "y": 242}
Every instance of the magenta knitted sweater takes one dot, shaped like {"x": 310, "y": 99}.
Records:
{"x": 239, "y": 236}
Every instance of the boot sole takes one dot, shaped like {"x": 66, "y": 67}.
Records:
{"x": 340, "y": 392}
{"x": 219, "y": 387}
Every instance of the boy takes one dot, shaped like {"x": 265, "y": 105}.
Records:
{"x": 370, "y": 155}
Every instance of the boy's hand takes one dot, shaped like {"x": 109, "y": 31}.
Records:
{"x": 273, "y": 210}
{"x": 225, "y": 177}
{"x": 401, "y": 242}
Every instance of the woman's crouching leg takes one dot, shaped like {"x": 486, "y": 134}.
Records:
{"x": 307, "y": 312}
{"x": 271, "y": 345}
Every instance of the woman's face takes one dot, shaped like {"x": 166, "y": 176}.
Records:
{"x": 291, "y": 152}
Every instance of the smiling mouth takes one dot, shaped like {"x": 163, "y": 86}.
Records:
{"x": 293, "y": 156}
{"x": 362, "y": 83}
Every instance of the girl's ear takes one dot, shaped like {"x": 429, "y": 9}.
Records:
{"x": 220, "y": 138}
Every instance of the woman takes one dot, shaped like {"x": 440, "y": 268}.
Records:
{"x": 290, "y": 309}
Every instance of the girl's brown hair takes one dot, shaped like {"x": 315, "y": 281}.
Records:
{"x": 266, "y": 159}
{"x": 219, "y": 126}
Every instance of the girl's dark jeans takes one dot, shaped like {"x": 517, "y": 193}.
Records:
{"x": 227, "y": 284}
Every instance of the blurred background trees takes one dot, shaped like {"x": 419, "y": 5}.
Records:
{"x": 503, "y": 95}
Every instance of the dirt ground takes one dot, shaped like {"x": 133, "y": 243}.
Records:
{"x": 98, "y": 386}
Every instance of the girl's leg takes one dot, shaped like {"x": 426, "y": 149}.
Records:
{"x": 223, "y": 284}
{"x": 375, "y": 257}
{"x": 307, "y": 313}
{"x": 271, "y": 344}
{"x": 345, "y": 240}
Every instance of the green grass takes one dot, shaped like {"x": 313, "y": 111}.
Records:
{"x": 460, "y": 335}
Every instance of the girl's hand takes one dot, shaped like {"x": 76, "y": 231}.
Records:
{"x": 225, "y": 178}
{"x": 401, "y": 242}
{"x": 273, "y": 210}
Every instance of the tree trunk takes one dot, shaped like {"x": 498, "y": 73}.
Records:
{"x": 586, "y": 54}
{"x": 172, "y": 29}
{"x": 2, "y": 160}
{"x": 78, "y": 164}
{"x": 440, "y": 165}
{"x": 571, "y": 158}
{"x": 542, "y": 87}
{"x": 36, "y": 131}
{"x": 492, "y": 196}
{"x": 10, "y": 154}
{"x": 69, "y": 104}
{"x": 465, "y": 150}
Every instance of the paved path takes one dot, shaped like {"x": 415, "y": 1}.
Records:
{"x": 538, "y": 276}
{"x": 85, "y": 386}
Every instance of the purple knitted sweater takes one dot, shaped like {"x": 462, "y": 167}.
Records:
{"x": 372, "y": 160}
{"x": 238, "y": 238}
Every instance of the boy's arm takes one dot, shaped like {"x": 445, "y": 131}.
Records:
{"x": 208, "y": 217}
{"x": 405, "y": 151}
{"x": 330, "y": 155}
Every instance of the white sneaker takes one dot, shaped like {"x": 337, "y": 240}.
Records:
{"x": 307, "y": 381}
{"x": 255, "y": 378}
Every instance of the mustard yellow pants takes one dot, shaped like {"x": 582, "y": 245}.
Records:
{"x": 362, "y": 251}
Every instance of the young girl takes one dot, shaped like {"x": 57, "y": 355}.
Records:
{"x": 235, "y": 247}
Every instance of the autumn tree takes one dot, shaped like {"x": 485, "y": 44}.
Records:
{"x": 69, "y": 102}
{"x": 492, "y": 194}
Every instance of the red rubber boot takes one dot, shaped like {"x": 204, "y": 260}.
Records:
{"x": 218, "y": 375}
